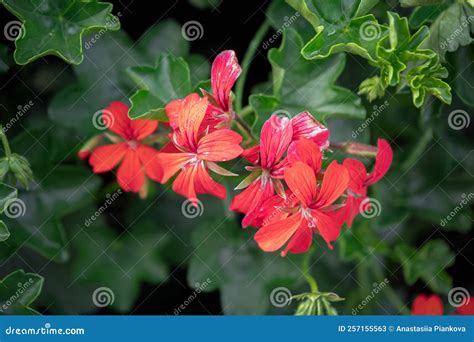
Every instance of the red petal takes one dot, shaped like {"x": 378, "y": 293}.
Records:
{"x": 300, "y": 242}
{"x": 172, "y": 111}
{"x": 274, "y": 140}
{"x": 225, "y": 71}
{"x": 468, "y": 308}
{"x": 184, "y": 183}
{"x": 252, "y": 154}
{"x": 115, "y": 117}
{"x": 190, "y": 117}
{"x": 357, "y": 175}
{"x": 105, "y": 158}
{"x": 130, "y": 175}
{"x": 350, "y": 210}
{"x": 149, "y": 161}
{"x": 328, "y": 225}
{"x": 275, "y": 235}
{"x": 171, "y": 163}
{"x": 264, "y": 191}
{"x": 306, "y": 151}
{"x": 206, "y": 185}
{"x": 301, "y": 180}
{"x": 427, "y": 306}
{"x": 335, "y": 181}
{"x": 383, "y": 160}
{"x": 220, "y": 145}
{"x": 306, "y": 126}
{"x": 142, "y": 128}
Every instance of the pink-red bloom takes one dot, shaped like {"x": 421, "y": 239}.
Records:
{"x": 224, "y": 72}
{"x": 136, "y": 159}
{"x": 309, "y": 207}
{"x": 432, "y": 305}
{"x": 360, "y": 181}
{"x": 193, "y": 149}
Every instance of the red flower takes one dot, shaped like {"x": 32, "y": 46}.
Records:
{"x": 306, "y": 126}
{"x": 193, "y": 150}
{"x": 427, "y": 305}
{"x": 467, "y": 309}
{"x": 360, "y": 180}
{"x": 266, "y": 175}
{"x": 312, "y": 208}
{"x": 137, "y": 159}
{"x": 224, "y": 72}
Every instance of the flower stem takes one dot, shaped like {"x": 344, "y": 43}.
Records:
{"x": 311, "y": 281}
{"x": 6, "y": 145}
{"x": 248, "y": 57}
{"x": 417, "y": 150}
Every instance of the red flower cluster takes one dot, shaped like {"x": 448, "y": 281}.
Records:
{"x": 433, "y": 306}
{"x": 288, "y": 194}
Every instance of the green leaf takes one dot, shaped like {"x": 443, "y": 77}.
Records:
{"x": 4, "y": 233}
{"x": 18, "y": 291}
{"x": 120, "y": 263}
{"x": 428, "y": 264}
{"x": 426, "y": 14}
{"x": 52, "y": 27}
{"x": 463, "y": 83}
{"x": 297, "y": 81}
{"x": 413, "y": 3}
{"x": 226, "y": 258}
{"x": 451, "y": 29}
{"x": 169, "y": 79}
{"x": 205, "y": 4}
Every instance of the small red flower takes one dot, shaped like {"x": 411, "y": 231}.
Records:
{"x": 427, "y": 305}
{"x": 312, "y": 209}
{"x": 275, "y": 137}
{"x": 136, "y": 158}
{"x": 224, "y": 72}
{"x": 360, "y": 180}
{"x": 194, "y": 150}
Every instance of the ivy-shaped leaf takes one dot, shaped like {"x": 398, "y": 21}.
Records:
{"x": 120, "y": 263}
{"x": 452, "y": 29}
{"x": 56, "y": 27}
{"x": 227, "y": 259}
{"x": 18, "y": 291}
{"x": 168, "y": 80}
{"x": 300, "y": 85}
{"x": 412, "y": 3}
{"x": 428, "y": 264}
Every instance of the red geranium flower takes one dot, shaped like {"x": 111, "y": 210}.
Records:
{"x": 137, "y": 158}
{"x": 312, "y": 209}
{"x": 427, "y": 305}
{"x": 193, "y": 150}
{"x": 275, "y": 137}
{"x": 360, "y": 180}
{"x": 224, "y": 72}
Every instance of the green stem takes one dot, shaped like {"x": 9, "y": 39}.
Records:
{"x": 418, "y": 150}
{"x": 248, "y": 57}
{"x": 6, "y": 145}
{"x": 311, "y": 281}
